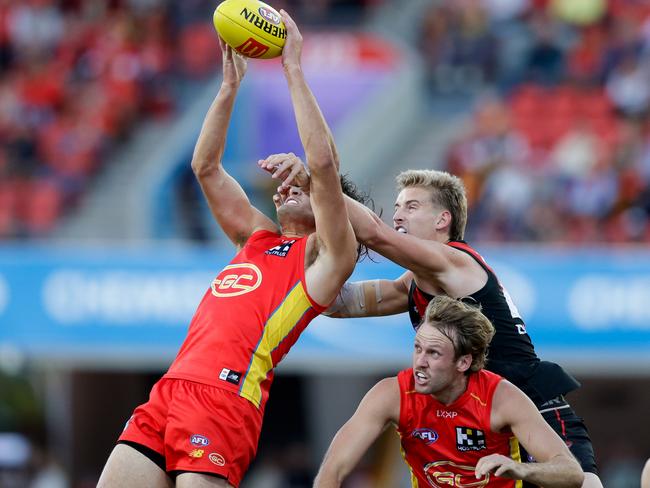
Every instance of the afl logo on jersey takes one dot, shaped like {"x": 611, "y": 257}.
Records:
{"x": 443, "y": 474}
{"x": 236, "y": 279}
{"x": 428, "y": 436}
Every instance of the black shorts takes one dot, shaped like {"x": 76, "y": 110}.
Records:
{"x": 571, "y": 429}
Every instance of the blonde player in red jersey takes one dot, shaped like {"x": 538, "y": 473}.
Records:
{"x": 201, "y": 425}
{"x": 459, "y": 424}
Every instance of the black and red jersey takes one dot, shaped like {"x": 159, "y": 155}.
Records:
{"x": 511, "y": 353}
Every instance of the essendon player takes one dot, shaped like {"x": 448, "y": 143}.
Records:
{"x": 427, "y": 239}
{"x": 202, "y": 422}
{"x": 459, "y": 425}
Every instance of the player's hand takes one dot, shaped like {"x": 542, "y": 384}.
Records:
{"x": 499, "y": 465}
{"x": 292, "y": 49}
{"x": 288, "y": 168}
{"x": 234, "y": 64}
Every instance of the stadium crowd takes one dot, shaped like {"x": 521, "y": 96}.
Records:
{"x": 559, "y": 150}
{"x": 76, "y": 77}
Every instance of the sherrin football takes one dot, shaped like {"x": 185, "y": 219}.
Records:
{"x": 252, "y": 28}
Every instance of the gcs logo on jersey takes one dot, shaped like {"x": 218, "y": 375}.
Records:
{"x": 236, "y": 279}
{"x": 445, "y": 474}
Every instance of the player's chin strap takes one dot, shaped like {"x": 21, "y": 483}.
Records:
{"x": 357, "y": 299}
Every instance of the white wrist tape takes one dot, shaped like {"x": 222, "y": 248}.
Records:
{"x": 358, "y": 299}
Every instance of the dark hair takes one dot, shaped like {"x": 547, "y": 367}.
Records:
{"x": 351, "y": 190}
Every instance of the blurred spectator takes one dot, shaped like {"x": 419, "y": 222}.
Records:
{"x": 457, "y": 45}
{"x": 77, "y": 77}
{"x": 545, "y": 61}
{"x": 629, "y": 87}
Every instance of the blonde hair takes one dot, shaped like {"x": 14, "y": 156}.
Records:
{"x": 464, "y": 325}
{"x": 447, "y": 191}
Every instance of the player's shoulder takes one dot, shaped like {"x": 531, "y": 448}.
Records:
{"x": 509, "y": 403}
{"x": 385, "y": 386}
{"x": 385, "y": 390}
{"x": 384, "y": 398}
{"x": 506, "y": 389}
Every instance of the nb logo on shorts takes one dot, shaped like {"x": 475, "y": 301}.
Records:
{"x": 196, "y": 453}
{"x": 236, "y": 279}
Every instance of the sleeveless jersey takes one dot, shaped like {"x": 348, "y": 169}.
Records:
{"x": 442, "y": 443}
{"x": 511, "y": 353}
{"x": 255, "y": 310}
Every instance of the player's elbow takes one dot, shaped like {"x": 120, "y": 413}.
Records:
{"x": 331, "y": 474}
{"x": 203, "y": 167}
{"x": 577, "y": 480}
{"x": 574, "y": 475}
{"x": 370, "y": 233}
{"x": 320, "y": 159}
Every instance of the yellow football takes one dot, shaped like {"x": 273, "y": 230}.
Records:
{"x": 252, "y": 28}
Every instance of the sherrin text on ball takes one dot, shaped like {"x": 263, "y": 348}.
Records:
{"x": 252, "y": 28}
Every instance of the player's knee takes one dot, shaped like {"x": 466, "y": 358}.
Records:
{"x": 198, "y": 480}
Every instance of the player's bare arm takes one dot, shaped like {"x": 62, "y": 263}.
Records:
{"x": 425, "y": 258}
{"x": 555, "y": 466}
{"x": 226, "y": 199}
{"x": 371, "y": 298}
{"x": 438, "y": 268}
{"x": 377, "y": 411}
{"x": 333, "y": 244}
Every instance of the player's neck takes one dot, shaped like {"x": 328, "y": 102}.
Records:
{"x": 439, "y": 236}
{"x": 452, "y": 392}
{"x": 295, "y": 231}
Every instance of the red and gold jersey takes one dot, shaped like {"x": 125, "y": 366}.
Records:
{"x": 254, "y": 311}
{"x": 442, "y": 443}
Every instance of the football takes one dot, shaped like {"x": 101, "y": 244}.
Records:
{"x": 252, "y": 28}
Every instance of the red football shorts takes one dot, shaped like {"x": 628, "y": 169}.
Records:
{"x": 197, "y": 428}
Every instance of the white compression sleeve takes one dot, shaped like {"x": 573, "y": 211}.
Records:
{"x": 358, "y": 299}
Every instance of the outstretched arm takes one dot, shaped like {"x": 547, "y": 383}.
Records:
{"x": 555, "y": 466}
{"x": 334, "y": 239}
{"x": 376, "y": 411}
{"x": 423, "y": 257}
{"x": 226, "y": 199}
{"x": 371, "y": 298}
